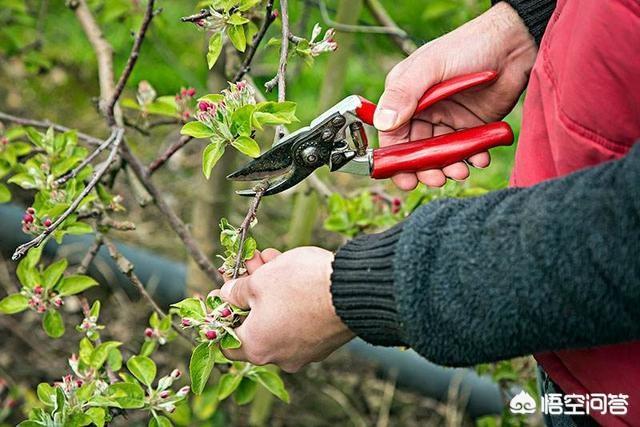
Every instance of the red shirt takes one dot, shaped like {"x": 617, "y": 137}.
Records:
{"x": 583, "y": 108}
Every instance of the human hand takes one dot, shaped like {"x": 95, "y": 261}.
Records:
{"x": 497, "y": 40}
{"x": 292, "y": 321}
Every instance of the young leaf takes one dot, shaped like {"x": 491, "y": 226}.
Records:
{"x": 53, "y": 324}
{"x": 127, "y": 395}
{"x": 273, "y": 383}
{"x": 148, "y": 347}
{"x": 196, "y": 130}
{"x": 249, "y": 248}
{"x": 228, "y": 384}
{"x": 46, "y": 393}
{"x": 100, "y": 354}
{"x": 210, "y": 157}
{"x": 13, "y": 304}
{"x": 114, "y": 359}
{"x": 75, "y": 284}
{"x": 143, "y": 368}
{"x": 95, "y": 309}
{"x": 237, "y": 19}
{"x": 241, "y": 120}
{"x": 53, "y": 273}
{"x": 236, "y": 35}
{"x": 97, "y": 416}
{"x": 245, "y": 391}
{"x": 247, "y": 146}
{"x": 215, "y": 47}
{"x": 200, "y": 367}
{"x": 160, "y": 421}
{"x": 190, "y": 307}
{"x": 229, "y": 341}
{"x": 86, "y": 350}
{"x": 5, "y": 194}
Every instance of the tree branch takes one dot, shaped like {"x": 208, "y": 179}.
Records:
{"x": 90, "y": 255}
{"x": 45, "y": 124}
{"x": 23, "y": 249}
{"x": 131, "y": 62}
{"x": 71, "y": 174}
{"x": 380, "y": 14}
{"x": 348, "y": 28}
{"x": 164, "y": 157}
{"x": 269, "y": 17}
{"x": 246, "y": 224}
{"x": 203, "y": 14}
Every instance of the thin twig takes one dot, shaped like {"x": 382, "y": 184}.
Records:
{"x": 126, "y": 267}
{"x": 246, "y": 224}
{"x": 45, "y": 124}
{"x": 269, "y": 17}
{"x": 203, "y": 14}
{"x": 72, "y": 174}
{"x": 281, "y": 76}
{"x": 380, "y": 14}
{"x": 371, "y": 29}
{"x": 166, "y": 155}
{"x": 131, "y": 62}
{"x": 22, "y": 249}
{"x": 90, "y": 255}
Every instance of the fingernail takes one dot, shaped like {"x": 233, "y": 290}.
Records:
{"x": 384, "y": 119}
{"x": 226, "y": 289}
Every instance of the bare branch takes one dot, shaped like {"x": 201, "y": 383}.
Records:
{"x": 45, "y": 124}
{"x": 371, "y": 29}
{"x": 164, "y": 157}
{"x": 203, "y": 14}
{"x": 246, "y": 224}
{"x": 126, "y": 267}
{"x": 71, "y": 174}
{"x": 269, "y": 17}
{"x": 90, "y": 255}
{"x": 23, "y": 249}
{"x": 131, "y": 62}
{"x": 380, "y": 14}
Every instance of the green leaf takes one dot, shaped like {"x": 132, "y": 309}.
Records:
{"x": 5, "y": 194}
{"x": 196, "y": 130}
{"x": 210, "y": 156}
{"x": 247, "y": 146}
{"x": 46, "y": 393}
{"x": 127, "y": 395}
{"x": 245, "y": 391}
{"x": 53, "y": 324}
{"x": 229, "y": 341}
{"x": 100, "y": 354}
{"x": 86, "y": 350}
{"x": 247, "y": 4}
{"x": 143, "y": 368}
{"x": 190, "y": 307}
{"x": 53, "y": 273}
{"x": 160, "y": 421}
{"x": 34, "y": 136}
{"x": 75, "y": 284}
{"x": 273, "y": 383}
{"x": 95, "y": 309}
{"x": 13, "y": 304}
{"x": 212, "y": 97}
{"x": 200, "y": 367}
{"x": 148, "y": 347}
{"x": 97, "y": 416}
{"x": 228, "y": 384}
{"x": 236, "y": 35}
{"x": 249, "y": 248}
{"x": 78, "y": 228}
{"x": 114, "y": 359}
{"x": 241, "y": 120}
{"x": 237, "y": 19}
{"x": 215, "y": 47}
{"x": 274, "y": 113}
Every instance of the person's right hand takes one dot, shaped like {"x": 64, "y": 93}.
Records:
{"x": 498, "y": 41}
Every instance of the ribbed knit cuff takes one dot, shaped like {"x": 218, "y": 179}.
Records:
{"x": 534, "y": 13}
{"x": 362, "y": 287}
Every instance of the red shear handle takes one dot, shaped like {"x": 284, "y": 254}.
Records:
{"x": 434, "y": 94}
{"x": 440, "y": 151}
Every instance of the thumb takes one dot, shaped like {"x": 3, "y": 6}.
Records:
{"x": 395, "y": 107}
{"x": 236, "y": 292}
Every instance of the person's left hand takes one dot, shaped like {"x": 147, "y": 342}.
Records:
{"x": 292, "y": 320}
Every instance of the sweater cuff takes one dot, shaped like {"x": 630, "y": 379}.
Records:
{"x": 535, "y": 14}
{"x": 362, "y": 287}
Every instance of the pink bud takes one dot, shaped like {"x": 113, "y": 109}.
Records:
{"x": 148, "y": 332}
{"x": 164, "y": 394}
{"x": 183, "y": 391}
{"x": 183, "y": 92}
{"x": 27, "y": 218}
{"x": 191, "y": 92}
{"x": 225, "y": 312}
{"x": 47, "y": 222}
{"x": 31, "y": 211}
{"x": 41, "y": 308}
{"x": 211, "y": 334}
{"x": 79, "y": 383}
{"x": 58, "y": 302}
{"x": 204, "y": 105}
{"x": 175, "y": 374}
{"x": 241, "y": 85}
{"x": 199, "y": 22}
{"x": 186, "y": 323}
{"x": 396, "y": 201}
{"x": 38, "y": 289}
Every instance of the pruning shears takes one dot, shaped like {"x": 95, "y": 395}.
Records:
{"x": 337, "y": 139}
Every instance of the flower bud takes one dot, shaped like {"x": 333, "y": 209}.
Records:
{"x": 31, "y": 211}
{"x": 211, "y": 334}
{"x": 27, "y": 218}
{"x": 186, "y": 323}
{"x": 58, "y": 302}
{"x": 225, "y": 312}
{"x": 38, "y": 289}
{"x": 164, "y": 394}
{"x": 41, "y": 308}
{"x": 148, "y": 332}
{"x": 183, "y": 391}
{"x": 191, "y": 92}
{"x": 204, "y": 105}
{"x": 47, "y": 223}
{"x": 175, "y": 374}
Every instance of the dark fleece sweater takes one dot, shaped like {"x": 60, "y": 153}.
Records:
{"x": 534, "y": 13}
{"x": 517, "y": 271}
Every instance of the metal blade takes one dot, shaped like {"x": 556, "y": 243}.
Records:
{"x": 292, "y": 178}
{"x": 276, "y": 161}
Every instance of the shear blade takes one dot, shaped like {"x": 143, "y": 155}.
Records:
{"x": 273, "y": 162}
